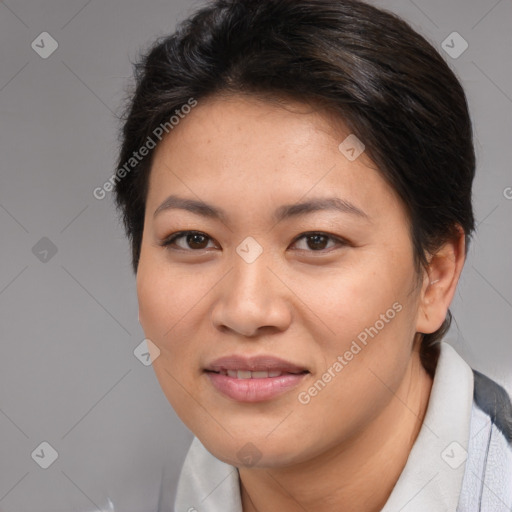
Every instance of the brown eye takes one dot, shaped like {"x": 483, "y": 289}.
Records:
{"x": 316, "y": 242}
{"x": 194, "y": 240}
{"x": 198, "y": 241}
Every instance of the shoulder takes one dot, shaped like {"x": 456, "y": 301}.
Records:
{"x": 487, "y": 483}
{"x": 495, "y": 402}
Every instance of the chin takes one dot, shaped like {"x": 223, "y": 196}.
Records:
{"x": 246, "y": 451}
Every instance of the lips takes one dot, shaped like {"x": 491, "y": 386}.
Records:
{"x": 254, "y": 367}
{"x": 254, "y": 379}
{"x": 246, "y": 374}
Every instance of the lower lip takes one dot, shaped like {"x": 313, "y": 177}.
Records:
{"x": 254, "y": 390}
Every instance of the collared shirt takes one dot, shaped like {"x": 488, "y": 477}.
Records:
{"x": 461, "y": 460}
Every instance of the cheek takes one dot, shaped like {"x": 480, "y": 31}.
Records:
{"x": 364, "y": 360}
{"x": 166, "y": 314}
{"x": 171, "y": 308}
{"x": 369, "y": 312}
{"x": 165, "y": 296}
{"x": 354, "y": 298}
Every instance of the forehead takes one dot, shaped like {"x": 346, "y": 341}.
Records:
{"x": 236, "y": 147}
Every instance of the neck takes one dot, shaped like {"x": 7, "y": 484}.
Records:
{"x": 358, "y": 476}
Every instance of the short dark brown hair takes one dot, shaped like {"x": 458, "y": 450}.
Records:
{"x": 386, "y": 82}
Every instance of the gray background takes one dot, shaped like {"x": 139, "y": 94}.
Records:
{"x": 68, "y": 325}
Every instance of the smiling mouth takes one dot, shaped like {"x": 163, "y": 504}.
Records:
{"x": 256, "y": 385}
{"x": 263, "y": 374}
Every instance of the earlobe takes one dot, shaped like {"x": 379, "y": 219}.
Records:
{"x": 440, "y": 282}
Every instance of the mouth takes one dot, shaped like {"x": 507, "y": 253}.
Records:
{"x": 261, "y": 374}
{"x": 253, "y": 367}
{"x": 254, "y": 379}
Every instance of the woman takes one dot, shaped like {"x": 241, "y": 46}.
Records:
{"x": 295, "y": 180}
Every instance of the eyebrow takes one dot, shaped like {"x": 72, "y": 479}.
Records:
{"x": 283, "y": 212}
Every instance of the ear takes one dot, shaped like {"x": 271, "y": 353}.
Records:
{"x": 440, "y": 282}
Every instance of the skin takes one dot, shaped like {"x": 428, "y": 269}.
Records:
{"x": 346, "y": 448}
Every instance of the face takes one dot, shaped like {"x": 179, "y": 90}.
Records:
{"x": 318, "y": 295}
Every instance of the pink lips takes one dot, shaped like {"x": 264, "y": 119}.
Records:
{"x": 272, "y": 376}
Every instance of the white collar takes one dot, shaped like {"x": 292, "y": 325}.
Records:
{"x": 431, "y": 479}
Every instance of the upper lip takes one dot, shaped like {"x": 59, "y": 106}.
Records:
{"x": 254, "y": 364}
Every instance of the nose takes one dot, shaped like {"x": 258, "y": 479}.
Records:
{"x": 252, "y": 299}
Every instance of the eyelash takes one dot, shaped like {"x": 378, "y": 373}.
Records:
{"x": 169, "y": 241}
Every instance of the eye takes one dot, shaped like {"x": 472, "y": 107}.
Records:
{"x": 197, "y": 241}
{"x": 317, "y": 241}
{"x": 194, "y": 239}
